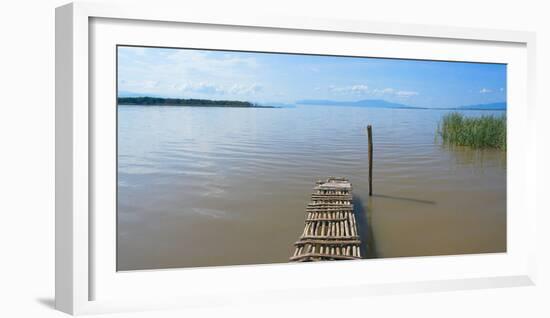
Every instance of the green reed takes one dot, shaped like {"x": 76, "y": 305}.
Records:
{"x": 487, "y": 131}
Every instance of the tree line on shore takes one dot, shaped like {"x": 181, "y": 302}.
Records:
{"x": 158, "y": 101}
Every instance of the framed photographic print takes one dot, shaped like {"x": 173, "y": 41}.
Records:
{"x": 206, "y": 158}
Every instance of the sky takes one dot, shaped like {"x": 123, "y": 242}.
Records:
{"x": 286, "y": 78}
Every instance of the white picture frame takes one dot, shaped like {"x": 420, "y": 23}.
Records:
{"x": 80, "y": 256}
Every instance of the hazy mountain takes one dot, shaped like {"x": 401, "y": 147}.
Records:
{"x": 491, "y": 106}
{"x": 374, "y": 103}
{"x": 277, "y": 104}
{"x": 379, "y": 103}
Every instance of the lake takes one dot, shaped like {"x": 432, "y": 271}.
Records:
{"x": 210, "y": 186}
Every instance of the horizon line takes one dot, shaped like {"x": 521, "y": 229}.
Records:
{"x": 298, "y": 102}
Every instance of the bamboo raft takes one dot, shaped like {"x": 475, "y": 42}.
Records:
{"x": 330, "y": 231}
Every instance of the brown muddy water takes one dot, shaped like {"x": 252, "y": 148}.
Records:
{"x": 228, "y": 186}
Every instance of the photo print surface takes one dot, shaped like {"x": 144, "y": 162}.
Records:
{"x": 235, "y": 158}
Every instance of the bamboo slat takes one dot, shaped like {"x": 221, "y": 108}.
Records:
{"x": 330, "y": 230}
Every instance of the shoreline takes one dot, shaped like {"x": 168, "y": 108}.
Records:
{"x": 202, "y": 106}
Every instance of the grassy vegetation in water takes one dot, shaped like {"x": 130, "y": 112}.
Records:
{"x": 487, "y": 131}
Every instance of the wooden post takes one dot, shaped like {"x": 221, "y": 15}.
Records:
{"x": 369, "y": 132}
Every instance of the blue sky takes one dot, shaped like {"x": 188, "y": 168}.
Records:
{"x": 285, "y": 78}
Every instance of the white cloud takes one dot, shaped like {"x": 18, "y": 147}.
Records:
{"x": 395, "y": 92}
{"x": 485, "y": 91}
{"x": 384, "y": 91}
{"x": 187, "y": 73}
{"x": 150, "y": 84}
{"x": 406, "y": 93}
{"x": 362, "y": 89}
{"x": 245, "y": 89}
{"x": 203, "y": 61}
{"x": 353, "y": 89}
{"x": 215, "y": 89}
{"x": 142, "y": 85}
{"x": 203, "y": 88}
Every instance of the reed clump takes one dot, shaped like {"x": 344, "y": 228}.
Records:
{"x": 487, "y": 131}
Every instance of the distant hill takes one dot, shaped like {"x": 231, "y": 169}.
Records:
{"x": 379, "y": 103}
{"x": 374, "y": 103}
{"x": 491, "y": 106}
{"x": 277, "y": 105}
{"x": 129, "y": 98}
{"x": 157, "y": 101}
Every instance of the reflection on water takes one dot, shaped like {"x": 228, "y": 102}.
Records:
{"x": 226, "y": 186}
{"x": 478, "y": 157}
